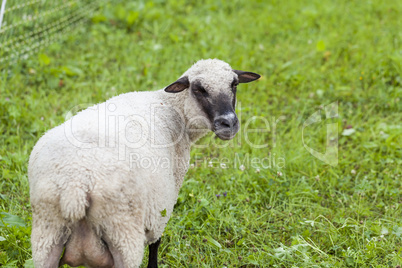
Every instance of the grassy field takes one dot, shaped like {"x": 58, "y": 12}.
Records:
{"x": 261, "y": 200}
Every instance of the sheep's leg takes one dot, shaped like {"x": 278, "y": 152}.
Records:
{"x": 117, "y": 256}
{"x": 153, "y": 254}
{"x": 47, "y": 243}
{"x": 45, "y": 253}
{"x": 54, "y": 255}
{"x": 126, "y": 245}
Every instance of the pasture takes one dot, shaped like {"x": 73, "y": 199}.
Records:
{"x": 262, "y": 199}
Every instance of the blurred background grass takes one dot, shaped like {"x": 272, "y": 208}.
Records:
{"x": 303, "y": 213}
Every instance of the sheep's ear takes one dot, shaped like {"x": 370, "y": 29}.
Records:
{"x": 245, "y": 77}
{"x": 178, "y": 86}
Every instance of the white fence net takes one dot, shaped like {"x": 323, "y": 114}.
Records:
{"x": 26, "y": 26}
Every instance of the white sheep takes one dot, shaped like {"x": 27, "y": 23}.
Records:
{"x": 103, "y": 184}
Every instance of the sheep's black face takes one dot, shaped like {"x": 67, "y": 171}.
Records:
{"x": 215, "y": 97}
{"x": 219, "y": 106}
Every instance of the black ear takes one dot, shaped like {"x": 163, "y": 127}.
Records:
{"x": 178, "y": 86}
{"x": 245, "y": 77}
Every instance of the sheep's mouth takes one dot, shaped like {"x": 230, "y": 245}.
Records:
{"x": 227, "y": 133}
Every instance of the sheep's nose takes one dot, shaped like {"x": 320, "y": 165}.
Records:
{"x": 226, "y": 126}
{"x": 225, "y": 121}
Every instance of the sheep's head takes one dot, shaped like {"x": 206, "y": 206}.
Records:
{"x": 211, "y": 98}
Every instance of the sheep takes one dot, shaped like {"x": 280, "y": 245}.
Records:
{"x": 104, "y": 183}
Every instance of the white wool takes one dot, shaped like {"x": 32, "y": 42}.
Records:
{"x": 120, "y": 164}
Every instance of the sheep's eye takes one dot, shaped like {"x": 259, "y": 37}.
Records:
{"x": 200, "y": 90}
{"x": 234, "y": 85}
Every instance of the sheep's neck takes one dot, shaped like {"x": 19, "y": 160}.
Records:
{"x": 178, "y": 102}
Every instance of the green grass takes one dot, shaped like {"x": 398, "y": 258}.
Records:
{"x": 301, "y": 213}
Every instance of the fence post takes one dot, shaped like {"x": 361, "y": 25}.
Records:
{"x": 3, "y": 7}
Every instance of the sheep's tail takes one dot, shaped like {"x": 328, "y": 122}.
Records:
{"x": 74, "y": 201}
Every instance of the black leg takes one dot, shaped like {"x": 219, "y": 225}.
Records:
{"x": 153, "y": 254}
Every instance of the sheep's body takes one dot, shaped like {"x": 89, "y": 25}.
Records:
{"x": 119, "y": 188}
{"x": 112, "y": 173}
